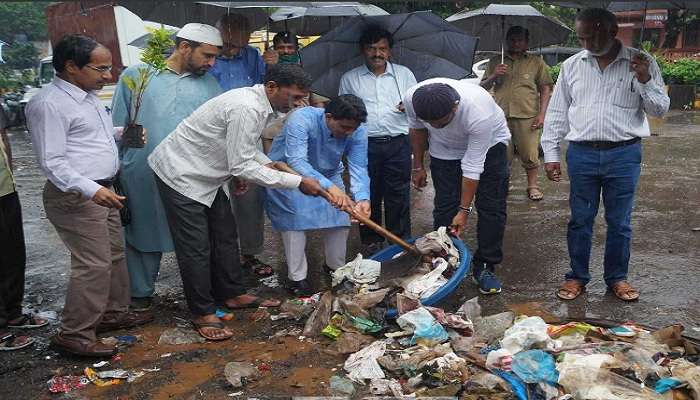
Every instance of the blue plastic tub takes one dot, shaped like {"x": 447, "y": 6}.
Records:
{"x": 464, "y": 265}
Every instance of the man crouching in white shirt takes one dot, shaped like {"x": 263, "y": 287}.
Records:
{"x": 216, "y": 143}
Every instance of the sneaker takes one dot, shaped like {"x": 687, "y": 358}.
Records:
{"x": 141, "y": 304}
{"x": 484, "y": 277}
{"x": 300, "y": 288}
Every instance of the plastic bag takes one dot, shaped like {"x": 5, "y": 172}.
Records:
{"x": 687, "y": 372}
{"x": 319, "y": 317}
{"x": 533, "y": 366}
{"x": 363, "y": 364}
{"x": 358, "y": 271}
{"x": 423, "y": 325}
{"x": 438, "y": 241}
{"x": 499, "y": 359}
{"x": 585, "y": 378}
{"x": 429, "y": 283}
{"x": 490, "y": 328}
{"x": 528, "y": 333}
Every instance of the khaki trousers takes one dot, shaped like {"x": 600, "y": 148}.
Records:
{"x": 99, "y": 280}
{"x": 526, "y": 141}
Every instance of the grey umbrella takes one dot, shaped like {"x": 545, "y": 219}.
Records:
{"x": 423, "y": 42}
{"x": 320, "y": 18}
{"x": 491, "y": 23}
{"x": 179, "y": 13}
{"x": 614, "y": 5}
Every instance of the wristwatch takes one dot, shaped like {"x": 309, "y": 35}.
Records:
{"x": 468, "y": 210}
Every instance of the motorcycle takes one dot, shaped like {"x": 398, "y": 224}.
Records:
{"x": 13, "y": 108}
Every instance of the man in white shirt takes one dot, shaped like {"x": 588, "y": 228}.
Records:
{"x": 381, "y": 85}
{"x": 74, "y": 141}
{"x": 467, "y": 136}
{"x": 218, "y": 142}
{"x": 599, "y": 106}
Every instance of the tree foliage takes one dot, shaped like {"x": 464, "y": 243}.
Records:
{"x": 20, "y": 55}
{"x": 26, "y": 17}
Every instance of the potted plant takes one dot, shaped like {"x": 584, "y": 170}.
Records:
{"x": 154, "y": 58}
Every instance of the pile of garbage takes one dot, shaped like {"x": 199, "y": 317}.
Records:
{"x": 427, "y": 351}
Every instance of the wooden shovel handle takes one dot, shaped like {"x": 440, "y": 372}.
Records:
{"x": 363, "y": 219}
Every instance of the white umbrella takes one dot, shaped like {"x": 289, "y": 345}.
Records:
{"x": 320, "y": 18}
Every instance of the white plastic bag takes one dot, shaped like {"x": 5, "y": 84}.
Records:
{"x": 363, "y": 364}
{"x": 429, "y": 283}
{"x": 529, "y": 333}
{"x": 359, "y": 271}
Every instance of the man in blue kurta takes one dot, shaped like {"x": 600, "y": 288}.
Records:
{"x": 313, "y": 142}
{"x": 170, "y": 97}
{"x": 240, "y": 65}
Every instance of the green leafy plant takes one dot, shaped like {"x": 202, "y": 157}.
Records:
{"x": 554, "y": 72}
{"x": 154, "y": 58}
{"x": 684, "y": 71}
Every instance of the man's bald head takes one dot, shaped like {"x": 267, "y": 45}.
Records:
{"x": 596, "y": 29}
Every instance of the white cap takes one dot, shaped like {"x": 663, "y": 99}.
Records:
{"x": 201, "y": 33}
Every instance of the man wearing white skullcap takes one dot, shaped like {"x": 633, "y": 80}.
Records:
{"x": 169, "y": 98}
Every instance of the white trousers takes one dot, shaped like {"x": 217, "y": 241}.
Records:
{"x": 335, "y": 242}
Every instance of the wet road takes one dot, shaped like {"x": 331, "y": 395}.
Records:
{"x": 665, "y": 262}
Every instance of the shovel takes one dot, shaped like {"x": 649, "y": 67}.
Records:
{"x": 395, "y": 268}
{"x": 361, "y": 218}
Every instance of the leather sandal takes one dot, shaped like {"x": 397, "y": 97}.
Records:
{"x": 10, "y": 341}
{"x": 201, "y": 329}
{"x": 571, "y": 289}
{"x": 624, "y": 291}
{"x": 534, "y": 193}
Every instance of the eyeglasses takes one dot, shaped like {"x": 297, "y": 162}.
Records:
{"x": 100, "y": 69}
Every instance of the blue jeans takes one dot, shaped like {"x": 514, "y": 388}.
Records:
{"x": 615, "y": 173}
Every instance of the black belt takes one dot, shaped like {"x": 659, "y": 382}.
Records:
{"x": 379, "y": 139}
{"x": 605, "y": 145}
{"x": 105, "y": 182}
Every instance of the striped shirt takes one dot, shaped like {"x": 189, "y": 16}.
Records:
{"x": 593, "y": 105}
{"x": 217, "y": 141}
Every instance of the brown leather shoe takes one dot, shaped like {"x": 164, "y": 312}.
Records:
{"x": 96, "y": 349}
{"x": 124, "y": 320}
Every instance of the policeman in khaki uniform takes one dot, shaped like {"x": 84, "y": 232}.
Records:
{"x": 522, "y": 87}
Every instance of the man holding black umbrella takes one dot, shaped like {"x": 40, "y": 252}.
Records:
{"x": 381, "y": 85}
{"x": 522, "y": 87}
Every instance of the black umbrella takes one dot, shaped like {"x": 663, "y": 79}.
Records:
{"x": 491, "y": 23}
{"x": 423, "y": 42}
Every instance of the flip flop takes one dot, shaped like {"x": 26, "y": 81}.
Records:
{"x": 199, "y": 326}
{"x": 28, "y": 321}
{"x": 258, "y": 302}
{"x": 10, "y": 342}
{"x": 571, "y": 289}
{"x": 534, "y": 193}
{"x": 624, "y": 291}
